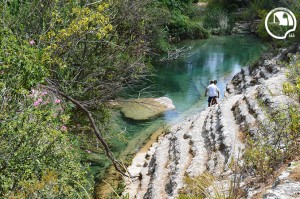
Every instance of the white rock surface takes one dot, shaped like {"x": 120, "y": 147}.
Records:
{"x": 207, "y": 141}
{"x": 285, "y": 187}
{"x": 166, "y": 101}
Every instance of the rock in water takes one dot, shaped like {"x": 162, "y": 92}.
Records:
{"x": 145, "y": 108}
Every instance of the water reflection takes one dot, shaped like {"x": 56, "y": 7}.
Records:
{"x": 184, "y": 81}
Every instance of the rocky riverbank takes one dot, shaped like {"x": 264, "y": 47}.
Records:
{"x": 211, "y": 139}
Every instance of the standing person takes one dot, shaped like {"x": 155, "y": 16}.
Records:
{"x": 214, "y": 100}
{"x": 213, "y": 92}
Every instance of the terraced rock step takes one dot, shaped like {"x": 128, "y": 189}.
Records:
{"x": 198, "y": 150}
{"x": 201, "y": 143}
{"x": 243, "y": 116}
{"x": 209, "y": 140}
{"x": 158, "y": 171}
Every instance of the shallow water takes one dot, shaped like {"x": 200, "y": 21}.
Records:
{"x": 185, "y": 80}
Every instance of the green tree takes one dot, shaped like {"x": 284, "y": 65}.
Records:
{"x": 38, "y": 156}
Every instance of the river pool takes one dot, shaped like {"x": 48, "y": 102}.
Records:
{"x": 184, "y": 80}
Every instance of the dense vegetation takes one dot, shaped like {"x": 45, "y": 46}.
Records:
{"x": 220, "y": 16}
{"x": 277, "y": 141}
{"x": 60, "y": 62}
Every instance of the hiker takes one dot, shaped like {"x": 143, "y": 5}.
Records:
{"x": 213, "y": 92}
{"x": 214, "y": 100}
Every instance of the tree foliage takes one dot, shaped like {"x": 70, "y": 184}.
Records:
{"x": 71, "y": 49}
{"x": 60, "y": 62}
{"x": 38, "y": 156}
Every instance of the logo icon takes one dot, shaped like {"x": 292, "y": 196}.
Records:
{"x": 280, "y": 22}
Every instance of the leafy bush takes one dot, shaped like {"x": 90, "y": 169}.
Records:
{"x": 228, "y": 5}
{"x": 262, "y": 33}
{"x": 162, "y": 44}
{"x": 176, "y": 23}
{"x": 182, "y": 28}
{"x": 292, "y": 87}
{"x": 21, "y": 64}
{"x": 195, "y": 31}
{"x": 255, "y": 7}
{"x": 217, "y": 20}
{"x": 275, "y": 142}
{"x": 39, "y": 157}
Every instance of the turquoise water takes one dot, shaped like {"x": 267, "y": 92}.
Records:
{"x": 185, "y": 80}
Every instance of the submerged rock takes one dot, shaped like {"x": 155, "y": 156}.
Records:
{"x": 145, "y": 108}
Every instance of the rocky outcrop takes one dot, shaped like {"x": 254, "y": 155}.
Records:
{"x": 145, "y": 108}
{"x": 244, "y": 27}
{"x": 287, "y": 185}
{"x": 209, "y": 140}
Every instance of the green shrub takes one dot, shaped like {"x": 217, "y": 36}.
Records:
{"x": 292, "y": 87}
{"x": 162, "y": 45}
{"x": 181, "y": 28}
{"x": 195, "y": 31}
{"x": 192, "y": 11}
{"x": 274, "y": 143}
{"x": 228, "y": 5}
{"x": 253, "y": 9}
{"x": 178, "y": 25}
{"x": 262, "y": 32}
{"x": 297, "y": 32}
{"x": 217, "y": 20}
{"x": 39, "y": 157}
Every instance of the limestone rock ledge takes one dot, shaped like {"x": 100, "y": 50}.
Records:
{"x": 287, "y": 184}
{"x": 209, "y": 140}
{"x": 145, "y": 108}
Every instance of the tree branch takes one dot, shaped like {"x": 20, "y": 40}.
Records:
{"x": 109, "y": 154}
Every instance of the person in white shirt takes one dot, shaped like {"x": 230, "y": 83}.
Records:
{"x": 213, "y": 92}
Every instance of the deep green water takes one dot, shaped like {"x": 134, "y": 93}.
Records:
{"x": 185, "y": 80}
{"x": 218, "y": 58}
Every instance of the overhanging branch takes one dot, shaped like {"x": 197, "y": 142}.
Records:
{"x": 109, "y": 154}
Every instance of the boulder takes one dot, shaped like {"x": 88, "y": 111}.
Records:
{"x": 145, "y": 108}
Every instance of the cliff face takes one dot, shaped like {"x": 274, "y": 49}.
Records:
{"x": 209, "y": 140}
